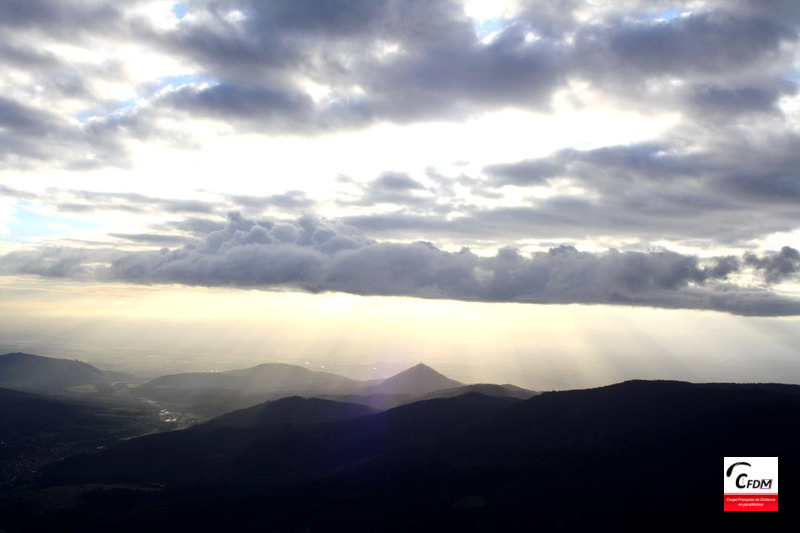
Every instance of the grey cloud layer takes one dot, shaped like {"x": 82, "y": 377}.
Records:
{"x": 733, "y": 190}
{"x": 778, "y": 266}
{"x": 29, "y": 134}
{"x": 411, "y": 60}
{"x": 316, "y": 255}
{"x": 727, "y": 55}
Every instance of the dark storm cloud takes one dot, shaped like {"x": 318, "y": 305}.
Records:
{"x": 466, "y": 76}
{"x": 705, "y": 42}
{"x": 261, "y": 106}
{"x": 274, "y": 35}
{"x": 58, "y": 15}
{"x": 17, "y": 117}
{"x": 724, "y": 102}
{"x": 229, "y": 100}
{"x": 776, "y": 266}
{"x": 316, "y": 255}
{"x": 778, "y": 188}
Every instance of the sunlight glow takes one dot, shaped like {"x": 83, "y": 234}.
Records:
{"x": 161, "y": 329}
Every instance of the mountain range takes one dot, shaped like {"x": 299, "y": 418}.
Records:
{"x": 630, "y": 451}
{"x": 437, "y": 456}
{"x": 211, "y": 394}
{"x": 23, "y": 371}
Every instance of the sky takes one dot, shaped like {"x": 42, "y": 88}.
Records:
{"x": 553, "y": 193}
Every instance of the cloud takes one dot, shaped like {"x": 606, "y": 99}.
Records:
{"x": 57, "y": 15}
{"x": 29, "y": 135}
{"x": 58, "y": 262}
{"x": 397, "y": 181}
{"x": 776, "y": 266}
{"x": 196, "y": 226}
{"x": 642, "y": 161}
{"x": 371, "y": 61}
{"x": 727, "y": 174}
{"x": 317, "y": 255}
{"x": 15, "y": 193}
{"x": 419, "y": 60}
{"x": 720, "y": 188}
{"x": 150, "y": 238}
{"x": 392, "y": 188}
{"x": 723, "y": 102}
{"x": 717, "y": 40}
{"x": 290, "y": 200}
{"x": 81, "y": 201}
{"x": 89, "y": 201}
{"x": 263, "y": 109}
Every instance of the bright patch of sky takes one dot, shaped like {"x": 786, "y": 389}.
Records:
{"x": 120, "y": 108}
{"x": 29, "y": 223}
{"x": 667, "y": 15}
{"x": 166, "y": 83}
{"x": 489, "y": 26}
{"x": 179, "y": 10}
{"x": 183, "y": 79}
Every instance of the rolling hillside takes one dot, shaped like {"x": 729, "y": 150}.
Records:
{"x": 471, "y": 461}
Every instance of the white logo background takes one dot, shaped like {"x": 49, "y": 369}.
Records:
{"x": 761, "y": 468}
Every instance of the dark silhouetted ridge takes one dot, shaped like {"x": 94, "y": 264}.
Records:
{"x": 467, "y": 462}
{"x": 487, "y": 389}
{"x": 292, "y": 410}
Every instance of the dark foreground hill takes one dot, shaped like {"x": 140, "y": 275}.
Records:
{"x": 36, "y": 430}
{"x": 291, "y": 410}
{"x": 487, "y": 389}
{"x": 634, "y": 452}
